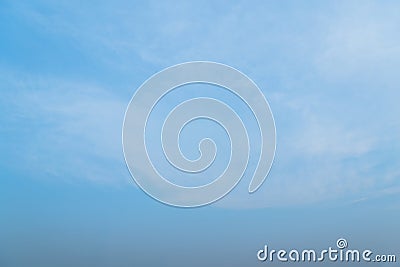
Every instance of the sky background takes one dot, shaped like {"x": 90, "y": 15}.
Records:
{"x": 329, "y": 70}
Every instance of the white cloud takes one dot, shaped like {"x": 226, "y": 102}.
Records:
{"x": 317, "y": 160}
{"x": 335, "y": 104}
{"x": 67, "y": 130}
{"x": 361, "y": 40}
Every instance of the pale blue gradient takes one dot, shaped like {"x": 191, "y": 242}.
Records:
{"x": 68, "y": 70}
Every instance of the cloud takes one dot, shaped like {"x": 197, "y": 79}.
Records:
{"x": 361, "y": 40}
{"x": 318, "y": 159}
{"x": 64, "y": 129}
{"x": 329, "y": 73}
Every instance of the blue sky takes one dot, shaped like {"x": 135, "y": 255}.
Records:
{"x": 68, "y": 70}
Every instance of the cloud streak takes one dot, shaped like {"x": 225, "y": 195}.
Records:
{"x": 65, "y": 129}
{"x": 331, "y": 82}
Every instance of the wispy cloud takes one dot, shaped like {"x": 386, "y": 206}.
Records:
{"x": 361, "y": 43}
{"x": 64, "y": 129}
{"x": 331, "y": 81}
